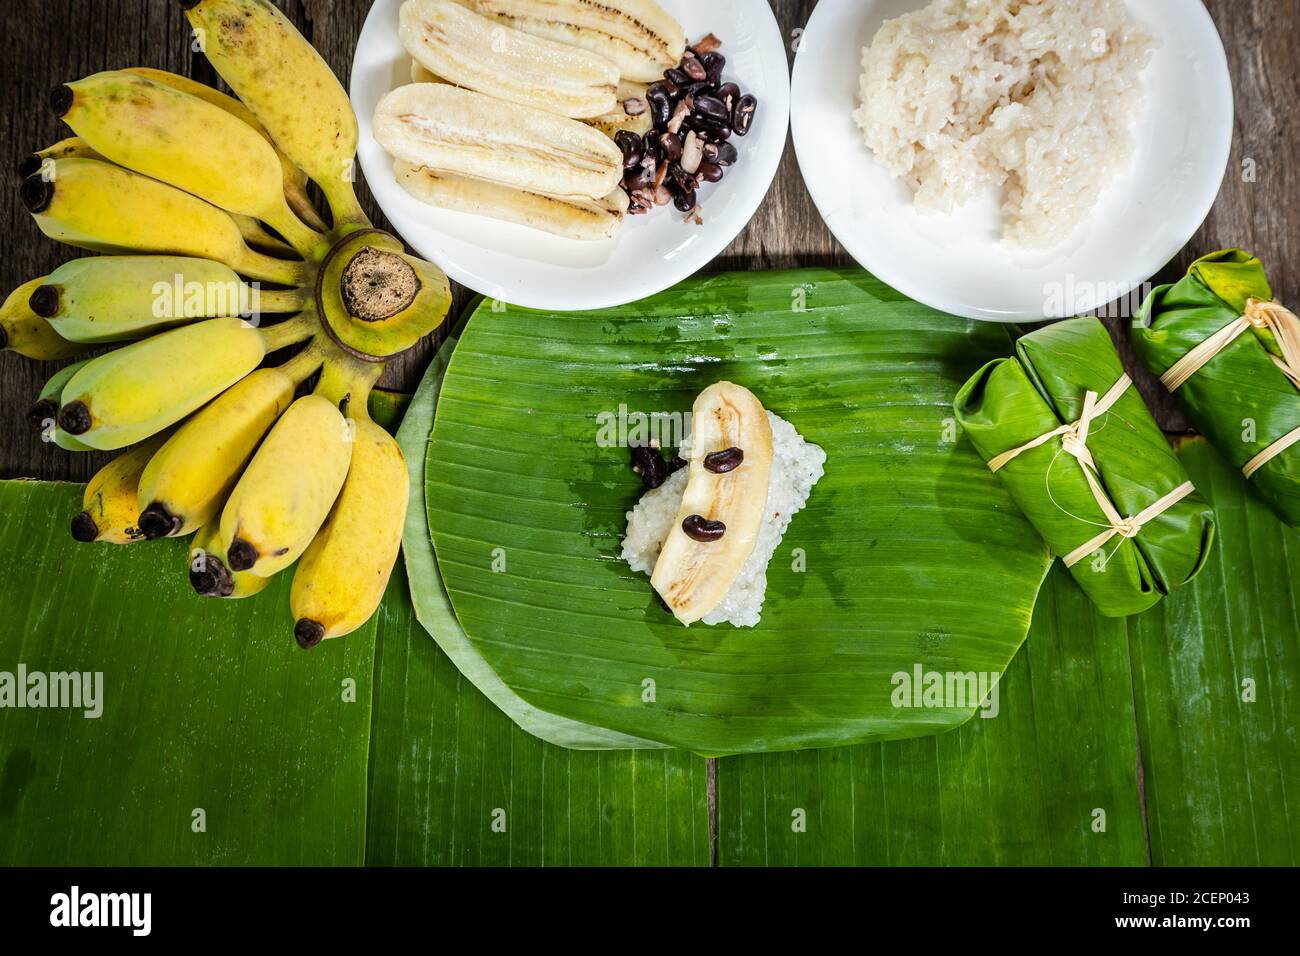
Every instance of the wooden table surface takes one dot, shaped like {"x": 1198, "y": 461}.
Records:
{"x": 52, "y": 41}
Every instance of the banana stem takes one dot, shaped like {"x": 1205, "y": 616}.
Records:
{"x": 305, "y": 363}
{"x": 256, "y": 265}
{"x": 275, "y": 301}
{"x": 302, "y": 206}
{"x": 311, "y": 245}
{"x": 347, "y": 211}
{"x": 347, "y": 382}
{"x": 289, "y": 332}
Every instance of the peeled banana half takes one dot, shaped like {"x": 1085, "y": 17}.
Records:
{"x": 484, "y": 55}
{"x": 452, "y": 130}
{"x": 639, "y": 36}
{"x": 574, "y": 217}
{"x": 722, "y": 510}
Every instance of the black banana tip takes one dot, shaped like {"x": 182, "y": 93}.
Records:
{"x": 43, "y": 411}
{"x": 29, "y": 166}
{"x": 241, "y": 556}
{"x": 308, "y": 634}
{"x": 37, "y": 193}
{"x": 210, "y": 578}
{"x": 84, "y": 528}
{"x": 45, "y": 301}
{"x": 157, "y": 522}
{"x": 74, "y": 418}
{"x": 61, "y": 99}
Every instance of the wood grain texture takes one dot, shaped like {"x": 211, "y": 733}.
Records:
{"x": 52, "y": 41}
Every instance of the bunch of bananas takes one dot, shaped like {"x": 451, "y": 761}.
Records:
{"x": 196, "y": 200}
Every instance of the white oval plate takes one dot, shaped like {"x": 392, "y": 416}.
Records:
{"x": 955, "y": 262}
{"x": 650, "y": 253}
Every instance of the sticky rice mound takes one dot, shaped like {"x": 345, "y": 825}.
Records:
{"x": 796, "y": 467}
{"x": 1034, "y": 96}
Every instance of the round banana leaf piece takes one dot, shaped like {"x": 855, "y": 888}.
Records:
{"x": 896, "y": 597}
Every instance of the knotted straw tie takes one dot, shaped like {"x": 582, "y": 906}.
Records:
{"x": 1285, "y": 327}
{"x": 1074, "y": 441}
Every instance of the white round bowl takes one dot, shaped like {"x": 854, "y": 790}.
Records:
{"x": 955, "y": 262}
{"x": 650, "y": 253}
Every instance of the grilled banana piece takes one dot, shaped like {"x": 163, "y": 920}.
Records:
{"x": 568, "y": 216}
{"x": 459, "y": 131}
{"x": 638, "y": 35}
{"x": 723, "y": 507}
{"x": 481, "y": 54}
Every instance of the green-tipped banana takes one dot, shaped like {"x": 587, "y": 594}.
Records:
{"x": 341, "y": 578}
{"x": 29, "y": 334}
{"x": 186, "y": 141}
{"x": 120, "y": 298}
{"x": 288, "y": 489}
{"x": 125, "y": 396}
{"x": 289, "y": 88}
{"x": 190, "y": 478}
{"x": 209, "y": 575}
{"x": 63, "y": 149}
{"x": 294, "y": 179}
{"x": 44, "y": 413}
{"x": 99, "y": 206}
{"x": 108, "y": 507}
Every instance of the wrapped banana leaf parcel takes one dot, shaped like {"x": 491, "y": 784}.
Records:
{"x": 1074, "y": 444}
{"x": 1231, "y": 354}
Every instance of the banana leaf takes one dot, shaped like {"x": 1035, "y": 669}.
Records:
{"x": 909, "y": 554}
{"x": 1012, "y": 402}
{"x": 1021, "y": 788}
{"x": 432, "y": 607}
{"x": 219, "y": 742}
{"x": 1201, "y": 689}
{"x": 1240, "y": 400}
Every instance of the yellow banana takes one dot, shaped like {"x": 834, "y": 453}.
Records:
{"x": 108, "y": 507}
{"x": 29, "y": 334}
{"x": 119, "y": 298}
{"x": 189, "y": 479}
{"x": 294, "y": 179}
{"x": 63, "y": 149}
{"x": 120, "y": 398}
{"x": 288, "y": 488}
{"x": 484, "y": 55}
{"x": 183, "y": 140}
{"x": 638, "y": 35}
{"x": 209, "y": 575}
{"x": 342, "y": 576}
{"x": 289, "y": 88}
{"x": 100, "y": 206}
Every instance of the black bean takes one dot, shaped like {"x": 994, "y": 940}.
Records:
{"x": 670, "y": 147}
{"x": 699, "y": 528}
{"x": 713, "y": 64}
{"x": 701, "y": 89}
{"x": 710, "y": 152}
{"x": 708, "y": 130}
{"x": 632, "y": 146}
{"x": 711, "y": 109}
{"x": 693, "y": 68}
{"x": 726, "y": 154}
{"x": 729, "y": 91}
{"x": 650, "y": 141}
{"x": 685, "y": 201}
{"x": 710, "y": 172}
{"x": 661, "y": 107}
{"x": 680, "y": 78}
{"x": 721, "y": 462}
{"x": 684, "y": 181}
{"x": 634, "y": 106}
{"x": 676, "y": 464}
{"x": 638, "y": 178}
{"x": 743, "y": 115}
{"x": 649, "y": 464}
